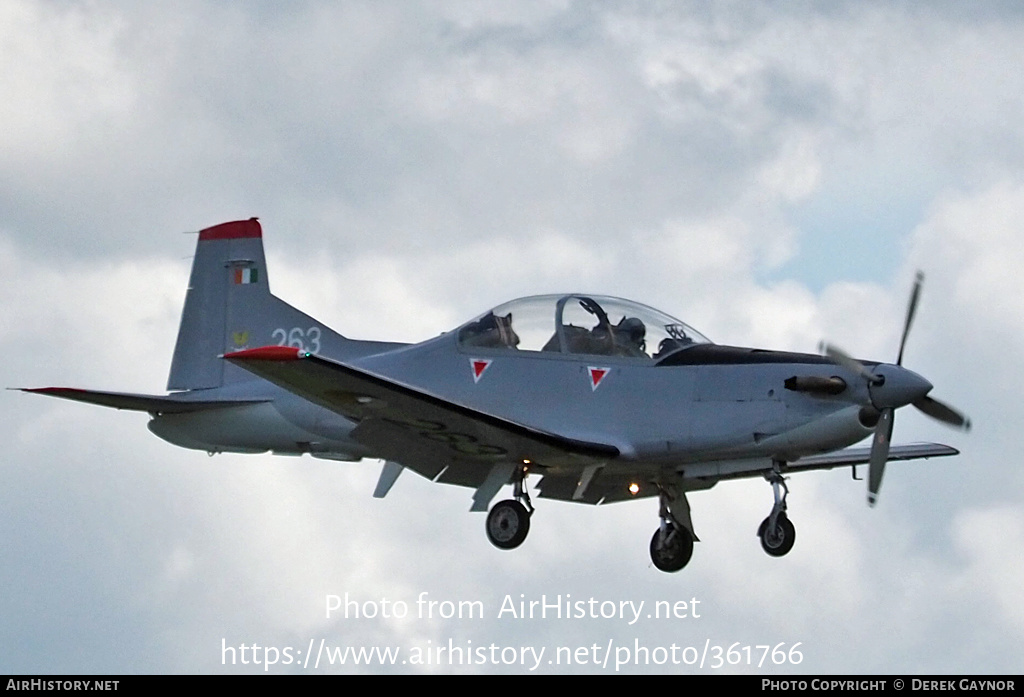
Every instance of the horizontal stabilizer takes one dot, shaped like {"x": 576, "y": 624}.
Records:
{"x": 138, "y": 402}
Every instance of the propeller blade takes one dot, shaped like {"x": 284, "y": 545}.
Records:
{"x": 911, "y": 310}
{"x": 844, "y": 359}
{"x": 879, "y": 453}
{"x": 942, "y": 412}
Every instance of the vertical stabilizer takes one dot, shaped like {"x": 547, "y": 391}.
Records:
{"x": 229, "y": 307}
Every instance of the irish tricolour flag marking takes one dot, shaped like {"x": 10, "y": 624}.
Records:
{"x": 245, "y": 274}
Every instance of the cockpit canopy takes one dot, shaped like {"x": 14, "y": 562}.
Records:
{"x": 580, "y": 324}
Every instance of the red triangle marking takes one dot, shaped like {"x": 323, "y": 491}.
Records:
{"x": 597, "y": 375}
{"x": 479, "y": 365}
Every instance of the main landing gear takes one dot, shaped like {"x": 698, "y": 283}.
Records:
{"x": 671, "y": 547}
{"x": 672, "y": 544}
{"x": 776, "y": 532}
{"x": 508, "y": 522}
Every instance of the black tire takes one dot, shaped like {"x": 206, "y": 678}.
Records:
{"x": 671, "y": 550}
{"x": 507, "y": 524}
{"x": 777, "y": 543}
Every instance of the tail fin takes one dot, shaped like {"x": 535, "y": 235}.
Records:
{"x": 229, "y": 307}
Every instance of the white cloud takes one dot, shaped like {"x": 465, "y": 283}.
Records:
{"x": 983, "y": 537}
{"x": 973, "y": 242}
{"x": 62, "y": 76}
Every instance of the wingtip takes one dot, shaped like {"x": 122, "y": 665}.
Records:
{"x": 49, "y": 390}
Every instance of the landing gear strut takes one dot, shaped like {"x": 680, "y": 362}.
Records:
{"x": 509, "y": 521}
{"x": 672, "y": 544}
{"x": 776, "y": 532}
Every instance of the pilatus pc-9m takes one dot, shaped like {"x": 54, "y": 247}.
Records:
{"x": 604, "y": 399}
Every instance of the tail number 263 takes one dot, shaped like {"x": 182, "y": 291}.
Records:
{"x": 307, "y": 340}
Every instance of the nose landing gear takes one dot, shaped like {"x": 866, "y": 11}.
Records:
{"x": 776, "y": 532}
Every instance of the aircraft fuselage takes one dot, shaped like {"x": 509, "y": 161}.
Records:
{"x": 730, "y": 405}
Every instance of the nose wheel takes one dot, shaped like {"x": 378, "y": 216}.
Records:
{"x": 777, "y": 539}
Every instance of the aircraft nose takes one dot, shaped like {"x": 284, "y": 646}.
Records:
{"x": 898, "y": 388}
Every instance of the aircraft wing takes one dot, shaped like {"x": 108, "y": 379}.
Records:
{"x": 861, "y": 456}
{"x": 603, "y": 486}
{"x": 715, "y": 471}
{"x": 440, "y": 439}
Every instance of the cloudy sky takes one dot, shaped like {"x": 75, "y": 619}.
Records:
{"x": 773, "y": 175}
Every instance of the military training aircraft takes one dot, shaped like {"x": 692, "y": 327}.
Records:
{"x": 606, "y": 399}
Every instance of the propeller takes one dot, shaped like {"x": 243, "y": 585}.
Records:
{"x": 847, "y": 361}
{"x": 891, "y": 387}
{"x": 879, "y": 452}
{"x": 942, "y": 412}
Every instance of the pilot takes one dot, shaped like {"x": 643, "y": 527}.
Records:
{"x": 491, "y": 331}
{"x": 629, "y": 337}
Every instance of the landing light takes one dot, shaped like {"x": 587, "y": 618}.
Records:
{"x": 634, "y": 488}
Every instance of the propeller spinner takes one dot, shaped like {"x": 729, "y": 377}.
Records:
{"x": 892, "y": 386}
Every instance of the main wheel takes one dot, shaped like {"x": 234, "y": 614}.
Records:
{"x": 671, "y": 549}
{"x": 779, "y": 541}
{"x": 507, "y": 524}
